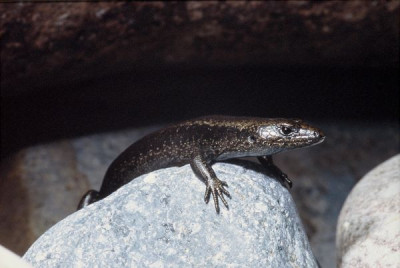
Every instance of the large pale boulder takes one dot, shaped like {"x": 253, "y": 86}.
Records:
{"x": 161, "y": 220}
{"x": 368, "y": 230}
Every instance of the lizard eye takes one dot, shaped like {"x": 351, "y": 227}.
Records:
{"x": 251, "y": 139}
{"x": 285, "y": 130}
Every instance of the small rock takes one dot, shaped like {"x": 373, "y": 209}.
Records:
{"x": 368, "y": 230}
{"x": 160, "y": 219}
{"x": 9, "y": 259}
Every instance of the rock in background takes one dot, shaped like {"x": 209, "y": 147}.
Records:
{"x": 160, "y": 219}
{"x": 368, "y": 230}
{"x": 49, "y": 44}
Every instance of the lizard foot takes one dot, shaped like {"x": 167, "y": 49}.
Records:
{"x": 216, "y": 188}
{"x": 267, "y": 162}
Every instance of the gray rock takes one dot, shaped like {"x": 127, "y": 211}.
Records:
{"x": 368, "y": 229}
{"x": 161, "y": 220}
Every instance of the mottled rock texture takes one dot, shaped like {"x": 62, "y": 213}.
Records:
{"x": 161, "y": 220}
{"x": 47, "y": 44}
{"x": 368, "y": 230}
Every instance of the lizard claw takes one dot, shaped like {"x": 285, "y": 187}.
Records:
{"x": 207, "y": 194}
{"x": 216, "y": 188}
{"x": 286, "y": 179}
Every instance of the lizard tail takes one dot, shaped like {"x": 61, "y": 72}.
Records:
{"x": 90, "y": 197}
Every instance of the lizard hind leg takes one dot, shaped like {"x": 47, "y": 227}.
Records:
{"x": 90, "y": 197}
{"x": 268, "y": 163}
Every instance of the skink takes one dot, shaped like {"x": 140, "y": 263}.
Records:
{"x": 201, "y": 142}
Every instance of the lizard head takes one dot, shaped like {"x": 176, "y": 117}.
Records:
{"x": 285, "y": 134}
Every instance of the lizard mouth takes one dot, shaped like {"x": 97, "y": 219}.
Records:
{"x": 316, "y": 138}
{"x": 321, "y": 139}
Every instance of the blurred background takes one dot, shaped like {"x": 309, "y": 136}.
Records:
{"x": 74, "y": 69}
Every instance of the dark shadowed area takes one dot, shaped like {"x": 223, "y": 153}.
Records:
{"x": 125, "y": 101}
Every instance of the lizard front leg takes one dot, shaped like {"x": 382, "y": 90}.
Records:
{"x": 267, "y": 162}
{"x": 214, "y": 186}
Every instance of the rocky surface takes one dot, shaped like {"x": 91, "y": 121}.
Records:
{"x": 368, "y": 232}
{"x": 161, "y": 220}
{"x": 43, "y": 184}
{"x": 48, "y": 44}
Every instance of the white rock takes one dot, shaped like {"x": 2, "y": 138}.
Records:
{"x": 161, "y": 220}
{"x": 368, "y": 231}
{"x": 9, "y": 259}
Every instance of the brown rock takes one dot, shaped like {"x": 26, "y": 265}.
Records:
{"x": 40, "y": 186}
{"x": 47, "y": 44}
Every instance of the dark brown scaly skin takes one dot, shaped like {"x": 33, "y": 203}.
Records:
{"x": 201, "y": 142}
